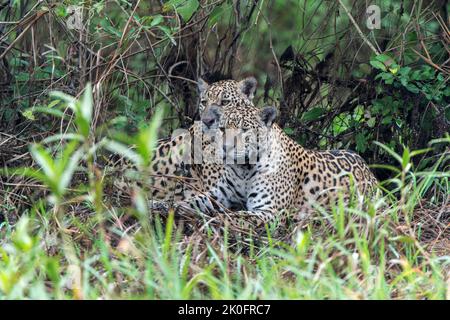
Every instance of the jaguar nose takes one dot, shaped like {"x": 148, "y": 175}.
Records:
{"x": 208, "y": 121}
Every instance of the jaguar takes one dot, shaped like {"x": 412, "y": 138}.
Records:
{"x": 181, "y": 168}
{"x": 268, "y": 174}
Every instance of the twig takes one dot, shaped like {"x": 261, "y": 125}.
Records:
{"x": 38, "y": 16}
{"x": 431, "y": 63}
{"x": 358, "y": 29}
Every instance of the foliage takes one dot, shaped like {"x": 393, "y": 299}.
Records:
{"x": 79, "y": 246}
{"x": 426, "y": 84}
{"x": 73, "y": 95}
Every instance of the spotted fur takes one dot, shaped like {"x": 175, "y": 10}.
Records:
{"x": 285, "y": 176}
{"x": 173, "y": 178}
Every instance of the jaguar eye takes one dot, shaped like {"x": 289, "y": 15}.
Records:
{"x": 203, "y": 102}
{"x": 224, "y": 102}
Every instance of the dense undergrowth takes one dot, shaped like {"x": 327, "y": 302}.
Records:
{"x": 76, "y": 243}
{"x": 69, "y": 230}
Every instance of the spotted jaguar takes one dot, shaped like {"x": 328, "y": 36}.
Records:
{"x": 176, "y": 179}
{"x": 270, "y": 174}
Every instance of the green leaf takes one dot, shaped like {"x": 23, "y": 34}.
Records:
{"x": 185, "y": 8}
{"x": 106, "y": 26}
{"x": 388, "y": 62}
{"x": 147, "y": 137}
{"x": 86, "y": 105}
{"x": 61, "y": 11}
{"x": 371, "y": 122}
{"x": 53, "y": 269}
{"x": 140, "y": 204}
{"x": 412, "y": 88}
{"x": 404, "y": 81}
{"x": 21, "y": 237}
{"x": 29, "y": 114}
{"x": 313, "y": 114}
{"x": 156, "y": 20}
{"x": 420, "y": 151}
{"x": 386, "y": 166}
{"x": 24, "y": 172}
{"x": 217, "y": 13}
{"x": 22, "y": 76}
{"x": 404, "y": 71}
{"x": 49, "y": 174}
{"x": 403, "y": 239}
{"x": 288, "y": 131}
{"x": 169, "y": 5}
{"x": 361, "y": 142}
{"x": 405, "y": 157}
{"x": 65, "y": 97}
{"x": 383, "y": 57}
{"x": 168, "y": 33}
{"x": 44, "y": 160}
{"x": 387, "y": 120}
{"x": 186, "y": 11}
{"x": 387, "y": 77}
{"x": 69, "y": 169}
{"x": 390, "y": 151}
{"x": 378, "y": 65}
{"x": 53, "y": 112}
{"x": 53, "y": 103}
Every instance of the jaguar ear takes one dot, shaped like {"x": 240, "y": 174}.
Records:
{"x": 202, "y": 85}
{"x": 248, "y": 87}
{"x": 268, "y": 115}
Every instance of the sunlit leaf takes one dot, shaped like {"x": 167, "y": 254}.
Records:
{"x": 378, "y": 65}
{"x": 44, "y": 160}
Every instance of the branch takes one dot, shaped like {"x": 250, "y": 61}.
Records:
{"x": 358, "y": 29}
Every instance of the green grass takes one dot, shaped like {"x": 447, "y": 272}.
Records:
{"x": 366, "y": 258}
{"x": 78, "y": 244}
